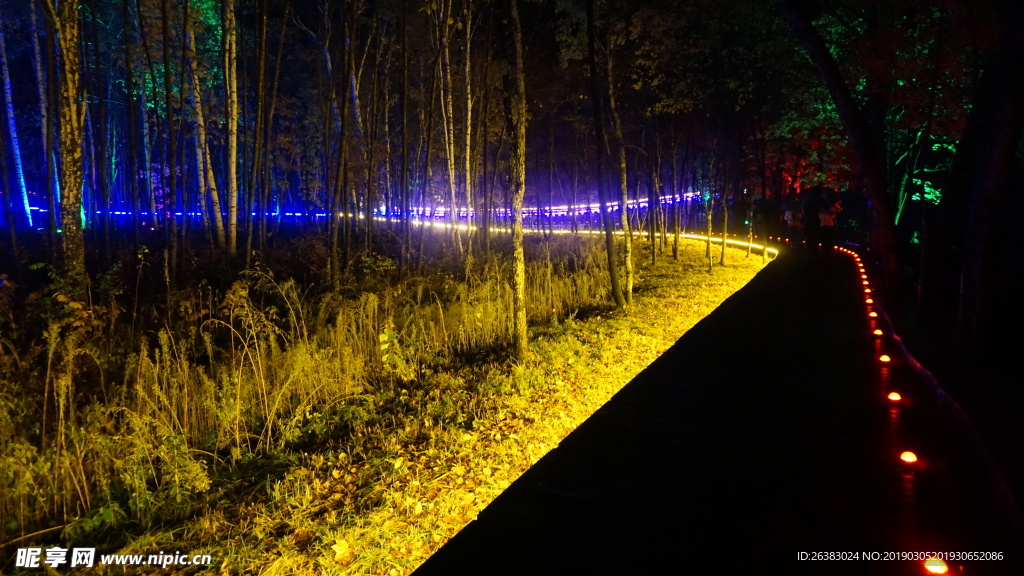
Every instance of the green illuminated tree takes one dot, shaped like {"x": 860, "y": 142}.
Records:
{"x": 896, "y": 83}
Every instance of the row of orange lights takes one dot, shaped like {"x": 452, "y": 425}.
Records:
{"x": 931, "y": 565}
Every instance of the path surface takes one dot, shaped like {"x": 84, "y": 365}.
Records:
{"x": 764, "y": 432}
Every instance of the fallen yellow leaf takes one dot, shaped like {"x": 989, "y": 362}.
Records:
{"x": 342, "y": 553}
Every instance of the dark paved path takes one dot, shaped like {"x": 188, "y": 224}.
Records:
{"x": 762, "y": 433}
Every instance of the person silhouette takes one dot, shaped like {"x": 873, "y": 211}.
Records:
{"x": 830, "y": 207}
{"x": 811, "y": 220}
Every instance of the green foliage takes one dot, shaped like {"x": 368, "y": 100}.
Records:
{"x": 373, "y": 271}
{"x": 110, "y": 516}
{"x": 809, "y": 143}
{"x": 929, "y": 193}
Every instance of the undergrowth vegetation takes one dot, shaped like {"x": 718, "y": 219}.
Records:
{"x": 280, "y": 427}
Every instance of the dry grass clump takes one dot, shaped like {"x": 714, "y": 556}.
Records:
{"x": 284, "y": 431}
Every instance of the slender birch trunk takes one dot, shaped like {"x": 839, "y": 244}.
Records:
{"x": 654, "y": 203}
{"x": 72, "y": 122}
{"x": 146, "y": 148}
{"x": 12, "y": 129}
{"x": 170, "y": 183}
{"x": 231, "y": 117}
{"x": 102, "y": 168}
{"x": 406, "y": 219}
{"x": 9, "y": 208}
{"x": 709, "y": 208}
{"x": 254, "y": 193}
{"x": 204, "y": 164}
{"x": 468, "y": 151}
{"x": 268, "y": 126}
{"x": 46, "y": 84}
{"x": 443, "y": 28}
{"x": 517, "y": 101}
{"x": 133, "y": 160}
{"x": 427, "y": 170}
{"x": 37, "y": 67}
{"x": 725, "y": 212}
{"x": 627, "y": 234}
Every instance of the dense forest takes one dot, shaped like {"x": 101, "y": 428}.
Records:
{"x": 212, "y": 207}
{"x": 217, "y": 128}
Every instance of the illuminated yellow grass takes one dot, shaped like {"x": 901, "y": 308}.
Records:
{"x": 387, "y": 510}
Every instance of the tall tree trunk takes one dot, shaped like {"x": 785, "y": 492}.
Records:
{"x": 334, "y": 214}
{"x": 89, "y": 201}
{"x": 444, "y": 27}
{"x": 390, "y": 199}
{"x": 725, "y": 211}
{"x": 678, "y": 197}
{"x": 170, "y": 184}
{"x": 341, "y": 238}
{"x": 480, "y": 194}
{"x": 708, "y": 195}
{"x": 72, "y": 123}
{"x": 348, "y": 196}
{"x": 254, "y": 190}
{"x": 204, "y": 163}
{"x": 602, "y": 140}
{"x": 518, "y": 181}
{"x": 44, "y": 106}
{"x": 468, "y": 149}
{"x": 10, "y": 208}
{"x": 47, "y": 85}
{"x": 133, "y": 159}
{"x": 491, "y": 187}
{"x": 156, "y": 220}
{"x": 663, "y": 215}
{"x": 147, "y": 159}
{"x": 12, "y": 130}
{"x": 764, "y": 227}
{"x": 653, "y": 198}
{"x": 52, "y": 170}
{"x": 101, "y": 133}
{"x": 231, "y": 117}
{"x": 268, "y": 127}
{"x": 405, "y": 196}
{"x": 426, "y": 168}
{"x": 377, "y": 103}
{"x": 981, "y": 182}
{"x": 551, "y": 174}
{"x": 627, "y": 233}
{"x": 199, "y": 126}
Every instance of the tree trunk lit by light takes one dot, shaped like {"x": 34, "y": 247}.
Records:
{"x": 231, "y": 118}
{"x": 627, "y": 234}
{"x": 518, "y": 183}
{"x": 12, "y": 129}
{"x": 72, "y": 122}
{"x": 204, "y": 166}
